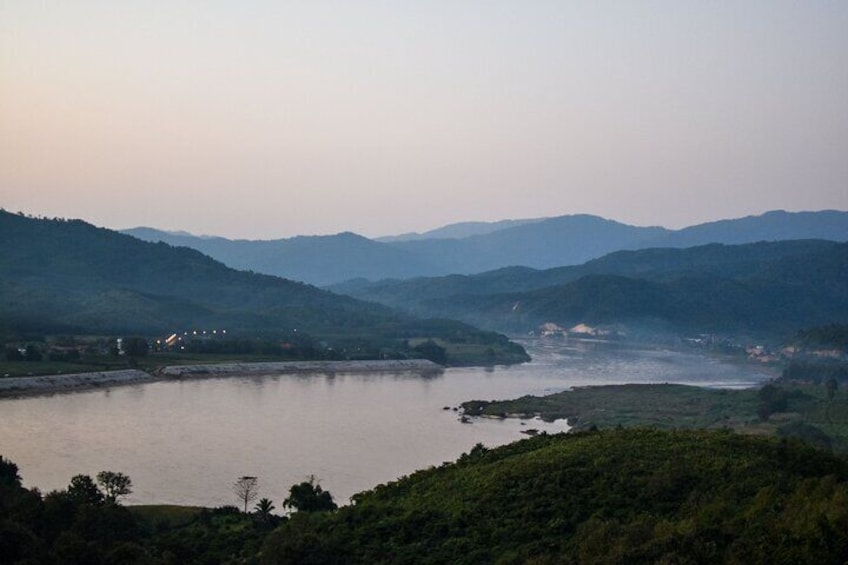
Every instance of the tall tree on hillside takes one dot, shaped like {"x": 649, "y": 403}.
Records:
{"x": 114, "y": 484}
{"x": 82, "y": 490}
{"x": 308, "y": 496}
{"x": 246, "y": 489}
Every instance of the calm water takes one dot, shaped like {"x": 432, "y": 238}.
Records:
{"x": 186, "y": 442}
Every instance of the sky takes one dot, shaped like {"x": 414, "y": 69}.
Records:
{"x": 264, "y": 120}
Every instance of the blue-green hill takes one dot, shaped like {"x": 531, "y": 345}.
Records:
{"x": 67, "y": 276}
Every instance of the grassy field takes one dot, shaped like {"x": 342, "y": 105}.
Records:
{"x": 805, "y": 412}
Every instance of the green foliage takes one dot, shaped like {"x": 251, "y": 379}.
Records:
{"x": 308, "y": 496}
{"x": 135, "y": 346}
{"x": 779, "y": 408}
{"x": 660, "y": 405}
{"x": 432, "y": 351}
{"x": 619, "y": 496}
{"x": 767, "y": 288}
{"x": 816, "y": 371}
{"x": 829, "y": 336}
{"x": 82, "y": 490}
{"x": 772, "y": 399}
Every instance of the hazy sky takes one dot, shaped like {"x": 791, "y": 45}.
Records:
{"x": 270, "y": 119}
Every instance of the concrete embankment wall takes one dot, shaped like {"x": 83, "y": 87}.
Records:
{"x": 11, "y": 386}
{"x": 20, "y": 386}
{"x": 291, "y": 367}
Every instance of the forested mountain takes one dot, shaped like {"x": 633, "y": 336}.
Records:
{"x": 476, "y": 247}
{"x": 71, "y": 277}
{"x": 768, "y": 288}
{"x": 617, "y": 496}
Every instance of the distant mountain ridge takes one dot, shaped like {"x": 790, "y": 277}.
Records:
{"x": 69, "y": 277}
{"x": 765, "y": 288}
{"x": 536, "y": 243}
{"x": 459, "y": 231}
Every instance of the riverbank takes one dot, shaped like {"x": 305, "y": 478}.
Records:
{"x": 51, "y": 384}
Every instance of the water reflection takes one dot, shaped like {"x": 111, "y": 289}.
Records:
{"x": 186, "y": 441}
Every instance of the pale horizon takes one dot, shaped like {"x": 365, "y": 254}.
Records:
{"x": 277, "y": 119}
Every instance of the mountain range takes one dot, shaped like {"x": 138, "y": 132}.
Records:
{"x": 765, "y": 288}
{"x": 69, "y": 277}
{"x": 475, "y": 247}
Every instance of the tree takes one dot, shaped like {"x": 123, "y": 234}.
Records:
{"x": 432, "y": 351}
{"x": 134, "y": 346}
{"x": 32, "y": 353}
{"x": 831, "y": 385}
{"x": 264, "y": 508}
{"x": 9, "y": 473}
{"x": 114, "y": 484}
{"x": 82, "y": 490}
{"x": 246, "y": 489}
{"x": 308, "y": 496}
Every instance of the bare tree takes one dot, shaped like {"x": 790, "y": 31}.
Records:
{"x": 246, "y": 489}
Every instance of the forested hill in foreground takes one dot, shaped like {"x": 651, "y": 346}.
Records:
{"x": 772, "y": 288}
{"x": 60, "y": 276}
{"x": 477, "y": 247}
{"x": 616, "y": 496}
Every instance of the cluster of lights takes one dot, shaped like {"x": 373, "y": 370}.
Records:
{"x": 172, "y": 339}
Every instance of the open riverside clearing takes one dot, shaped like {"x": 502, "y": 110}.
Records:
{"x": 186, "y": 440}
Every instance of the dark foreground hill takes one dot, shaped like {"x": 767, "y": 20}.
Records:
{"x": 618, "y": 496}
{"x": 69, "y": 277}
{"x": 770, "y": 288}
{"x": 477, "y": 247}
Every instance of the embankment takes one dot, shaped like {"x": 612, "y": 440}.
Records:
{"x": 49, "y": 384}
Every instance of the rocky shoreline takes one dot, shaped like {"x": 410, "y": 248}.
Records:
{"x": 50, "y": 384}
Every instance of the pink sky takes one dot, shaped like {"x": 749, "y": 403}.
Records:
{"x": 271, "y": 119}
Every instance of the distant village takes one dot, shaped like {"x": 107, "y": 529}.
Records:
{"x": 759, "y": 352}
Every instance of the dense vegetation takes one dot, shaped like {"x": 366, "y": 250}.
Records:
{"x": 814, "y": 412}
{"x": 763, "y": 289}
{"x": 85, "y": 524}
{"x": 615, "y": 496}
{"x": 618, "y": 496}
{"x": 71, "y": 278}
{"x": 831, "y": 336}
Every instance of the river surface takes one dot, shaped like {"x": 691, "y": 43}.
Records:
{"x": 186, "y": 442}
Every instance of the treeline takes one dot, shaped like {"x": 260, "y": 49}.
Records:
{"x": 86, "y": 524}
{"x": 833, "y": 336}
{"x": 817, "y": 372}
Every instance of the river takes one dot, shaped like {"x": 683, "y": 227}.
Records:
{"x": 186, "y": 442}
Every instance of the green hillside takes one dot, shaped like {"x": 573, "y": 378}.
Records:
{"x": 617, "y": 496}
{"x": 69, "y": 277}
{"x": 613, "y": 496}
{"x": 770, "y": 288}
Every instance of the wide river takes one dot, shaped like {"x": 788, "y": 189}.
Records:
{"x": 186, "y": 442}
